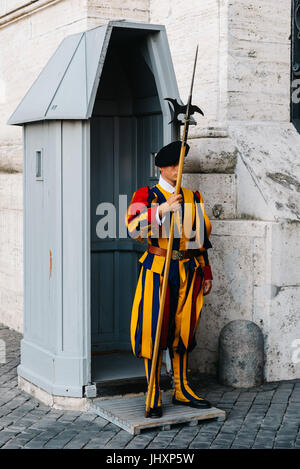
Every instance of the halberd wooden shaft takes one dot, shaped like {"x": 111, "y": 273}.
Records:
{"x": 164, "y": 289}
{"x": 169, "y": 252}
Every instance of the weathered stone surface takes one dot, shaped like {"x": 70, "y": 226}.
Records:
{"x": 238, "y": 259}
{"x": 11, "y": 252}
{"x": 241, "y": 354}
{"x": 218, "y": 191}
{"x": 100, "y": 12}
{"x": 270, "y": 154}
{"x": 205, "y": 22}
{"x": 259, "y": 60}
{"x": 211, "y": 155}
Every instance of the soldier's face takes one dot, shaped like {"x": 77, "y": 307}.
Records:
{"x": 169, "y": 173}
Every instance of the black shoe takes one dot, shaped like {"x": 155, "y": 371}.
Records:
{"x": 201, "y": 404}
{"x": 155, "y": 412}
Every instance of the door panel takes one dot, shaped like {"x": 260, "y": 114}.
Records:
{"x": 121, "y": 149}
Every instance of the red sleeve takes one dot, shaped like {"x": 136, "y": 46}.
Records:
{"x": 140, "y": 212}
{"x": 207, "y": 268}
{"x": 207, "y": 272}
{"x": 140, "y": 196}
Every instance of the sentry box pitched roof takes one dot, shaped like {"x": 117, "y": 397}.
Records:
{"x": 67, "y": 86}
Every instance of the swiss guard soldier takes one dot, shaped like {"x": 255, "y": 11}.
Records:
{"x": 190, "y": 275}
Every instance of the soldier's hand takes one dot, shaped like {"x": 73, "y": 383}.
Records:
{"x": 171, "y": 205}
{"x": 207, "y": 287}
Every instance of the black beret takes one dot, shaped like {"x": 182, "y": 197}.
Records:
{"x": 170, "y": 154}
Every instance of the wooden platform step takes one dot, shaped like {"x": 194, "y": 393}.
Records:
{"x": 128, "y": 413}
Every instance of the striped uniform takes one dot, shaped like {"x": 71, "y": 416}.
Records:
{"x": 184, "y": 296}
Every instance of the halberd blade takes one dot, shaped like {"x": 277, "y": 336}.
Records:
{"x": 182, "y": 109}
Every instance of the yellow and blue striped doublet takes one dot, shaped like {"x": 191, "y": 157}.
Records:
{"x": 184, "y": 298}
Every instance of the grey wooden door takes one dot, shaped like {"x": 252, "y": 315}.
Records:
{"x": 122, "y": 151}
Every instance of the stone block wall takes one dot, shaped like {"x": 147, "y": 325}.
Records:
{"x": 254, "y": 279}
{"x": 100, "y": 12}
{"x": 188, "y": 24}
{"x": 259, "y": 60}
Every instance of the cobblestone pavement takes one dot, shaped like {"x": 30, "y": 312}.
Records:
{"x": 264, "y": 417}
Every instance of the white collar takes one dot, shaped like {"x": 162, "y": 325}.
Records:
{"x": 166, "y": 185}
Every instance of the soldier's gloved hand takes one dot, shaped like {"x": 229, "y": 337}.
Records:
{"x": 171, "y": 205}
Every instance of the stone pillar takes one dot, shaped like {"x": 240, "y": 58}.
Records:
{"x": 241, "y": 354}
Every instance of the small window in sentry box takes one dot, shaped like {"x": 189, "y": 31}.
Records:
{"x": 153, "y": 169}
{"x": 39, "y": 165}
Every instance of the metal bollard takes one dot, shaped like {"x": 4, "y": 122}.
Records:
{"x": 241, "y": 354}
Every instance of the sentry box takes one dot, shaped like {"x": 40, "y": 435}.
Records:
{"x": 93, "y": 121}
